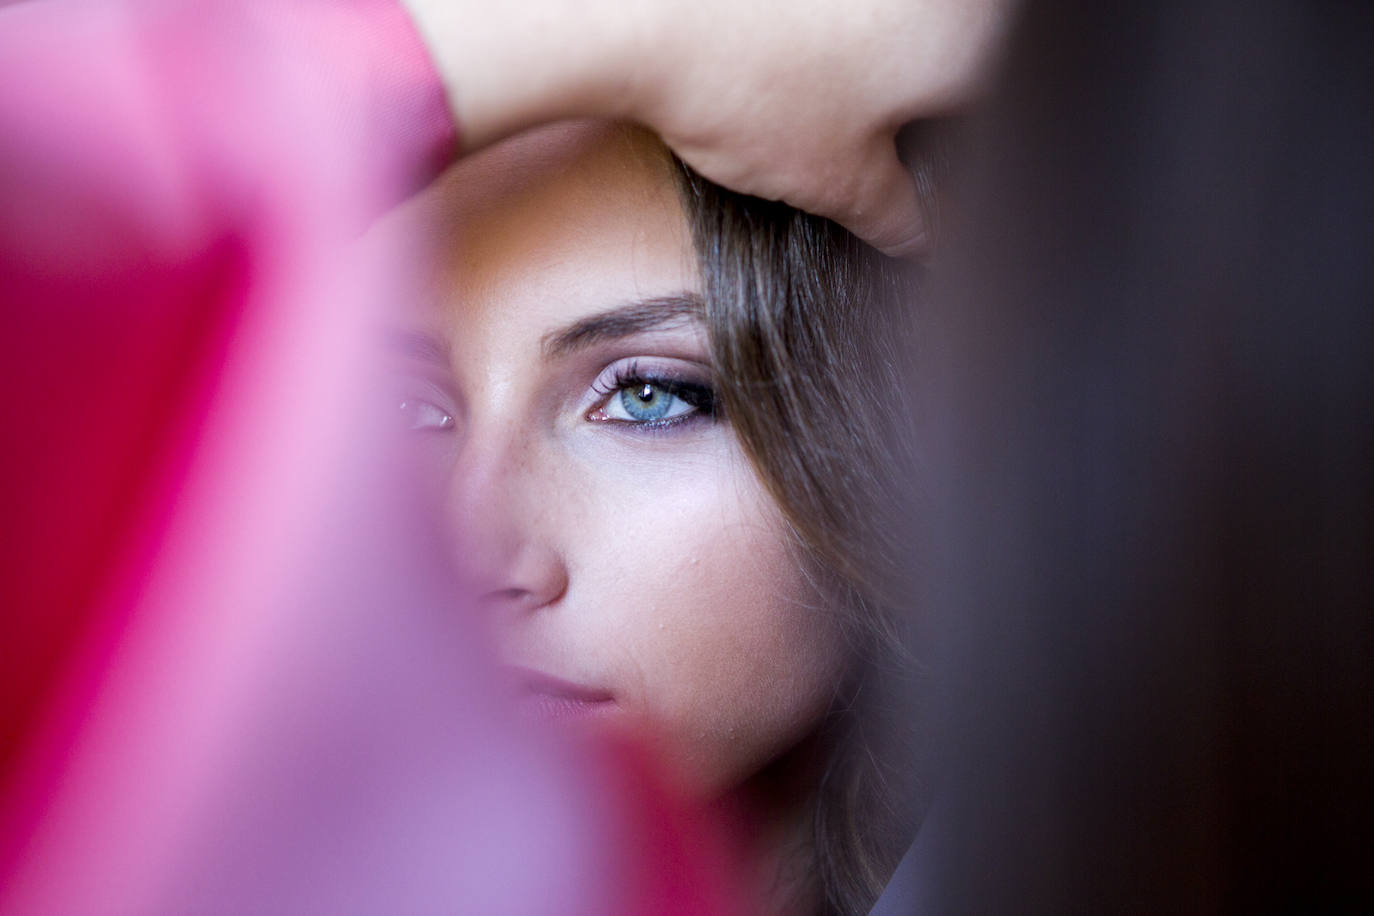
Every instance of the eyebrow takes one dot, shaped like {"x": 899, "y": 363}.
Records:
{"x": 634, "y": 318}
{"x": 422, "y": 346}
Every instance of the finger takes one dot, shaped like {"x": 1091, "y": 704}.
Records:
{"x": 888, "y": 213}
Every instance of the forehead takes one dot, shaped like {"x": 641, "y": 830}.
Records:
{"x": 558, "y": 223}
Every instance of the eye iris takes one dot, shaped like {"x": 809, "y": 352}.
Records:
{"x": 646, "y": 402}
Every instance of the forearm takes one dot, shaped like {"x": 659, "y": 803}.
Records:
{"x": 514, "y": 66}
{"x": 795, "y": 100}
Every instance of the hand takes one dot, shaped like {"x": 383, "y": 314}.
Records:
{"x": 794, "y": 100}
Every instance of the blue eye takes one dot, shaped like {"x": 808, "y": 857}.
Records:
{"x": 646, "y": 402}
{"x": 655, "y": 401}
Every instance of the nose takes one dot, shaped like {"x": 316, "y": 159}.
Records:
{"x": 507, "y": 543}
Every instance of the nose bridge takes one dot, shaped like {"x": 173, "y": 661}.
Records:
{"x": 483, "y": 469}
{"x": 485, "y": 487}
{"x": 507, "y": 549}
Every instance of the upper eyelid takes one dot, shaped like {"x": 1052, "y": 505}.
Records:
{"x": 676, "y": 369}
{"x": 676, "y": 387}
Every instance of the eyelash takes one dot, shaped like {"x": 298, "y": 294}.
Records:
{"x": 699, "y": 396}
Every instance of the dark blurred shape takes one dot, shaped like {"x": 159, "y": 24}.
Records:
{"x": 1152, "y": 458}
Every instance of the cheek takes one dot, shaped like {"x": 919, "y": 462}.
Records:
{"x": 691, "y": 597}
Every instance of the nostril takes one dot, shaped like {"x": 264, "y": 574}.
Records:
{"x": 528, "y": 578}
{"x": 514, "y": 602}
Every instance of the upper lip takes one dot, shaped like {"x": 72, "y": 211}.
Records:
{"x": 531, "y": 681}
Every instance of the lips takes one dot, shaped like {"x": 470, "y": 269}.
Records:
{"x": 544, "y": 696}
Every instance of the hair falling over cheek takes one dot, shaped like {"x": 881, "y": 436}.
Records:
{"x": 812, "y": 334}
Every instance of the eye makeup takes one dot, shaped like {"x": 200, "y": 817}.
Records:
{"x": 651, "y": 395}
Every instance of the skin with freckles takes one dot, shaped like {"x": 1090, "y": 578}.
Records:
{"x": 558, "y": 381}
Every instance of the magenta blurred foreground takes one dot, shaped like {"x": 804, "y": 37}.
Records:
{"x": 235, "y": 677}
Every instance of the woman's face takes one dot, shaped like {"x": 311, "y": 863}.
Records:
{"x": 607, "y": 520}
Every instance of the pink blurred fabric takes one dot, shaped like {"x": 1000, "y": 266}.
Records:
{"x": 232, "y": 676}
{"x": 150, "y": 170}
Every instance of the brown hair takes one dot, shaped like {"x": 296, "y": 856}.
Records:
{"x": 810, "y": 333}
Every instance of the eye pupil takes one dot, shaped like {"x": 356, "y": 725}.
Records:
{"x": 646, "y": 394}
